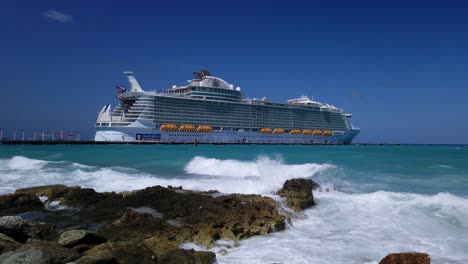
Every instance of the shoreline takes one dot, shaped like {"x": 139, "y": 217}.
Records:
{"x": 61, "y": 224}
{"x": 91, "y": 142}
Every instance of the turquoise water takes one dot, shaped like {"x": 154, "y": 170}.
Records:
{"x": 381, "y": 198}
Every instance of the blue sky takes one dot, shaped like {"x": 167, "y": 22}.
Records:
{"x": 400, "y": 67}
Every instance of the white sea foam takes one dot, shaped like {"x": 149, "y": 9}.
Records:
{"x": 21, "y": 164}
{"x": 363, "y": 228}
{"x": 262, "y": 176}
{"x": 343, "y": 228}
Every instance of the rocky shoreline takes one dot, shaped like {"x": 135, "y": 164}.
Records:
{"x": 61, "y": 224}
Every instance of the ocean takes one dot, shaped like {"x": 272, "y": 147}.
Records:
{"x": 375, "y": 199}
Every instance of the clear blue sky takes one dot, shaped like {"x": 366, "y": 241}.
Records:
{"x": 400, "y": 67}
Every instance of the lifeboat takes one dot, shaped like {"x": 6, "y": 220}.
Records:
{"x": 317, "y": 132}
{"x": 168, "y": 127}
{"x": 295, "y": 132}
{"x": 204, "y": 128}
{"x": 266, "y": 130}
{"x": 327, "y": 133}
{"x": 307, "y": 132}
{"x": 278, "y": 131}
{"x": 187, "y": 128}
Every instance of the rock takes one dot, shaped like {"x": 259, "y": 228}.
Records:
{"x": 161, "y": 245}
{"x": 406, "y": 258}
{"x": 41, "y": 231}
{"x": 102, "y": 257}
{"x": 82, "y": 248}
{"x": 20, "y": 229}
{"x": 198, "y": 217}
{"x": 222, "y": 252}
{"x": 7, "y": 244}
{"x": 53, "y": 192}
{"x": 73, "y": 238}
{"x": 133, "y": 226}
{"x": 44, "y": 252}
{"x": 124, "y": 252}
{"x": 298, "y": 193}
{"x": 19, "y": 203}
{"x": 29, "y": 256}
{"x": 191, "y": 256}
{"x": 206, "y": 218}
{"x": 83, "y": 197}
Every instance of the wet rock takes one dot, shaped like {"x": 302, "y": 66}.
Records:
{"x": 298, "y": 193}
{"x": 133, "y": 226}
{"x": 19, "y": 203}
{"x": 208, "y": 218}
{"x": 28, "y": 256}
{"x": 161, "y": 244}
{"x": 73, "y": 238}
{"x": 124, "y": 252}
{"x": 53, "y": 192}
{"x": 101, "y": 257}
{"x": 7, "y": 244}
{"x": 406, "y": 258}
{"x": 20, "y": 229}
{"x": 44, "y": 252}
{"x": 83, "y": 197}
{"x": 185, "y": 216}
{"x": 191, "y": 256}
{"x": 82, "y": 248}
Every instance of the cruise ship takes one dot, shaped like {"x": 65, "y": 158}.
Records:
{"x": 210, "y": 110}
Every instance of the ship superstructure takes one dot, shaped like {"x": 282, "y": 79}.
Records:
{"x": 210, "y": 110}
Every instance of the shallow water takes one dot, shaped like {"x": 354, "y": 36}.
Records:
{"x": 382, "y": 198}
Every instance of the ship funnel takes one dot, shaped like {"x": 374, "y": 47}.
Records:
{"x": 134, "y": 86}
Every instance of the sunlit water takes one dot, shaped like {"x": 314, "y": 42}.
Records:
{"x": 381, "y": 199}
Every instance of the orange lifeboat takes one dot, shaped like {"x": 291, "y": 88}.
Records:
{"x": 327, "y": 133}
{"x": 187, "y": 128}
{"x": 278, "y": 131}
{"x": 266, "y": 130}
{"x": 204, "y": 128}
{"x": 168, "y": 127}
{"x": 317, "y": 132}
{"x": 307, "y": 132}
{"x": 295, "y": 132}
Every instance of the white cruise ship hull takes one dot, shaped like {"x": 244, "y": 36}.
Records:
{"x": 129, "y": 134}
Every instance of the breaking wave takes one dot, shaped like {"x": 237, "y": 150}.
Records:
{"x": 261, "y": 176}
{"x": 363, "y": 228}
{"x": 343, "y": 228}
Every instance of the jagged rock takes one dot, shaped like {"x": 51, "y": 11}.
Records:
{"x": 210, "y": 218}
{"x": 124, "y": 252}
{"x": 134, "y": 226}
{"x": 83, "y": 197}
{"x": 161, "y": 245}
{"x": 28, "y": 256}
{"x": 101, "y": 257}
{"x": 7, "y": 244}
{"x": 191, "y": 256}
{"x": 53, "y": 192}
{"x": 202, "y": 218}
{"x": 19, "y": 203}
{"x": 37, "y": 253}
{"x": 20, "y": 229}
{"x": 73, "y": 238}
{"x": 406, "y": 258}
{"x": 298, "y": 193}
{"x": 82, "y": 248}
